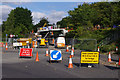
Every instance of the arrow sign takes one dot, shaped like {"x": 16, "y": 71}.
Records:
{"x": 55, "y": 55}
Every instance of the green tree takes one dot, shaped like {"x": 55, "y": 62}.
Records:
{"x": 18, "y": 18}
{"x": 88, "y": 15}
{"x": 65, "y": 22}
{"x": 41, "y": 23}
{"x": 23, "y": 16}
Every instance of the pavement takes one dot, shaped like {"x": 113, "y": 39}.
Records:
{"x": 15, "y": 67}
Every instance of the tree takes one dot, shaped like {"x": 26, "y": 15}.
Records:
{"x": 103, "y": 13}
{"x": 23, "y": 16}
{"x": 19, "y": 20}
{"x": 86, "y": 16}
{"x": 65, "y": 22}
{"x": 41, "y": 23}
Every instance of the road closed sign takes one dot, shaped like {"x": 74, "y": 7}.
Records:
{"x": 55, "y": 55}
{"x": 90, "y": 57}
{"x": 25, "y": 52}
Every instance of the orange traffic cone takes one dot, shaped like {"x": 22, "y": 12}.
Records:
{"x": 6, "y": 46}
{"x": 109, "y": 57}
{"x": 73, "y": 48}
{"x": 70, "y": 62}
{"x": 53, "y": 41}
{"x": 28, "y": 46}
{"x": 32, "y": 31}
{"x": 72, "y": 53}
{"x": 67, "y": 50}
{"x": 98, "y": 49}
{"x": 32, "y": 55}
{"x": 35, "y": 44}
{"x": 2, "y": 44}
{"x": 119, "y": 61}
{"x": 47, "y": 52}
{"x": 52, "y": 33}
{"x": 37, "y": 58}
{"x": 116, "y": 48}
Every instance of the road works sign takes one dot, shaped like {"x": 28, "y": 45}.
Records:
{"x": 90, "y": 57}
{"x": 55, "y": 55}
{"x": 25, "y": 52}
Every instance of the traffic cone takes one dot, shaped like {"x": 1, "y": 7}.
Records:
{"x": 32, "y": 55}
{"x": 109, "y": 57}
{"x": 119, "y": 61}
{"x": 52, "y": 33}
{"x": 37, "y": 58}
{"x": 28, "y": 46}
{"x": 116, "y": 48}
{"x": 72, "y": 53}
{"x": 53, "y": 41}
{"x": 35, "y": 44}
{"x": 6, "y": 46}
{"x": 70, "y": 62}
{"x": 2, "y": 44}
{"x": 32, "y": 31}
{"x": 98, "y": 49}
{"x": 67, "y": 50}
{"x": 73, "y": 48}
{"x": 47, "y": 52}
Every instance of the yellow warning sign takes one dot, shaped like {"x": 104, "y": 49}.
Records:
{"x": 90, "y": 57}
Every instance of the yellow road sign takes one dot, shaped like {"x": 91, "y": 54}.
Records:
{"x": 90, "y": 57}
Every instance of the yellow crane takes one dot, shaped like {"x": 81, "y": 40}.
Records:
{"x": 43, "y": 26}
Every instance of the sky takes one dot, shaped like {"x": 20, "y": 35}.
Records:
{"x": 54, "y": 11}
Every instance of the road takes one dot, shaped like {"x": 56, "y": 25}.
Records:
{"x": 15, "y": 67}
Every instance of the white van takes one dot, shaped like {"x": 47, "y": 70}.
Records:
{"x": 60, "y": 42}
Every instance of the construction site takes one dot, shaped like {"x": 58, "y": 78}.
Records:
{"x": 54, "y": 40}
{"x": 56, "y": 57}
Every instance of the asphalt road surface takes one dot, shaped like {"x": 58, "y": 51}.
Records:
{"x": 15, "y": 67}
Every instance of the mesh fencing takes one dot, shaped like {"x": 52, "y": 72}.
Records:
{"x": 79, "y": 44}
{"x": 69, "y": 41}
{"x": 82, "y": 44}
{"x": 85, "y": 44}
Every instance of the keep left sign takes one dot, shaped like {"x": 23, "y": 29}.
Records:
{"x": 25, "y": 52}
{"x": 55, "y": 55}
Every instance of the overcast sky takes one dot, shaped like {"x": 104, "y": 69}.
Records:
{"x": 54, "y": 11}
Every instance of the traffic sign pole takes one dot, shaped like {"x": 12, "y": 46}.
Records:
{"x": 6, "y": 37}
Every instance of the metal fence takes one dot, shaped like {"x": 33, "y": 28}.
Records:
{"x": 85, "y": 44}
{"x": 69, "y": 41}
{"x": 80, "y": 44}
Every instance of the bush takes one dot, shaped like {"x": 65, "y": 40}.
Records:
{"x": 88, "y": 45}
{"x": 107, "y": 48}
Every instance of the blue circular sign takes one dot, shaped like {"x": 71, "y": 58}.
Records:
{"x": 56, "y": 55}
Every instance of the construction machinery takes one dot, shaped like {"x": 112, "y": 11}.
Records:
{"x": 48, "y": 34}
{"x": 22, "y": 42}
{"x": 44, "y": 42}
{"x": 41, "y": 42}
